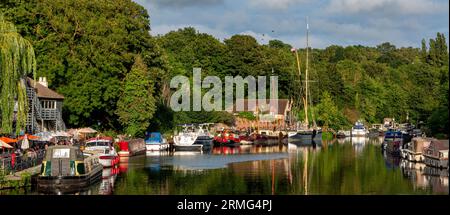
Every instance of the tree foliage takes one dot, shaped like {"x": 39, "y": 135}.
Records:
{"x": 17, "y": 60}
{"x": 136, "y": 105}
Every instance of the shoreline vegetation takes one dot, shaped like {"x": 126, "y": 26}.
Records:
{"x": 115, "y": 75}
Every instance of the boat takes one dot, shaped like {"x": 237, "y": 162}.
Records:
{"x": 102, "y": 147}
{"x": 185, "y": 140}
{"x": 436, "y": 154}
{"x": 131, "y": 147}
{"x": 343, "y": 134}
{"x": 65, "y": 169}
{"x": 358, "y": 130}
{"x": 204, "y": 137}
{"x": 413, "y": 151}
{"x": 392, "y": 147}
{"x": 393, "y": 134}
{"x": 124, "y": 151}
{"x": 154, "y": 141}
{"x": 304, "y": 131}
{"x": 227, "y": 137}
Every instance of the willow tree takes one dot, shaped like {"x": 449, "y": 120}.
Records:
{"x": 17, "y": 59}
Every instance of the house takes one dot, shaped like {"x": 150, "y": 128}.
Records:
{"x": 45, "y": 107}
{"x": 436, "y": 155}
{"x": 267, "y": 116}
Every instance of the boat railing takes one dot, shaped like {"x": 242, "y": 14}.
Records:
{"x": 23, "y": 162}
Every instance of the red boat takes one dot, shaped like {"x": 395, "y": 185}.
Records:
{"x": 227, "y": 137}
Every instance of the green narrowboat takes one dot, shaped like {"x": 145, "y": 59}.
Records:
{"x": 65, "y": 169}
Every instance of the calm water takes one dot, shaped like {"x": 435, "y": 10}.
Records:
{"x": 347, "y": 166}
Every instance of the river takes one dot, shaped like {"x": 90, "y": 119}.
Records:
{"x": 341, "y": 166}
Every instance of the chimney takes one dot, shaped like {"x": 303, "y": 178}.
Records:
{"x": 43, "y": 81}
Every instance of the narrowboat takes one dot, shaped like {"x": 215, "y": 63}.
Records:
{"x": 413, "y": 150}
{"x": 132, "y": 147}
{"x": 103, "y": 148}
{"x": 154, "y": 141}
{"x": 393, "y": 134}
{"x": 436, "y": 154}
{"x": 65, "y": 169}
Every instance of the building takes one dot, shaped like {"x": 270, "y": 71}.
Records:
{"x": 269, "y": 118}
{"x": 45, "y": 107}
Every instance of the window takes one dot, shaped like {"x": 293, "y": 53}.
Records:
{"x": 48, "y": 104}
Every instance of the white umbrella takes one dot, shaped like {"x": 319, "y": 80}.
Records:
{"x": 25, "y": 144}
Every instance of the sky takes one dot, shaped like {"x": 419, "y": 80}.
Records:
{"x": 403, "y": 23}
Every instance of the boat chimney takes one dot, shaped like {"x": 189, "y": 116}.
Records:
{"x": 43, "y": 81}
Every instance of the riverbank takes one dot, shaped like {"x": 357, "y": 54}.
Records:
{"x": 18, "y": 179}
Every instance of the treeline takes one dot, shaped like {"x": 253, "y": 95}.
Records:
{"x": 115, "y": 75}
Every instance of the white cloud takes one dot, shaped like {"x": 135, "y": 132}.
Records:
{"x": 275, "y": 4}
{"x": 387, "y": 6}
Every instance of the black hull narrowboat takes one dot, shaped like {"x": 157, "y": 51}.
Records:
{"x": 65, "y": 170}
{"x": 67, "y": 184}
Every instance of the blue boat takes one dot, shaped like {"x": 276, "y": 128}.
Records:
{"x": 155, "y": 142}
{"x": 393, "y": 134}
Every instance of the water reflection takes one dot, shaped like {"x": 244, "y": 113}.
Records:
{"x": 340, "y": 166}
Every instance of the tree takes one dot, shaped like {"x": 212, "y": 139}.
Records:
{"x": 136, "y": 105}
{"x": 328, "y": 113}
{"x": 85, "y": 48}
{"x": 17, "y": 60}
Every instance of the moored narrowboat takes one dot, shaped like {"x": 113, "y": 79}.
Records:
{"x": 436, "y": 155}
{"x": 65, "y": 169}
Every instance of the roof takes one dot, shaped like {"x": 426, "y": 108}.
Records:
{"x": 43, "y": 91}
{"x": 283, "y": 105}
{"x": 439, "y": 144}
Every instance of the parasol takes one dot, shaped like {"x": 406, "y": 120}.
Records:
{"x": 5, "y": 145}
{"x": 87, "y": 130}
{"x": 8, "y": 140}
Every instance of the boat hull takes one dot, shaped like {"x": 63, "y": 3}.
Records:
{"x": 68, "y": 184}
{"x": 157, "y": 147}
{"x": 306, "y": 136}
{"x": 193, "y": 147}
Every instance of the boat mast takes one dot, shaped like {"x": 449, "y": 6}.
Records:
{"x": 306, "y": 73}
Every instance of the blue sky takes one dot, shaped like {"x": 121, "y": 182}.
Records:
{"x": 341, "y": 22}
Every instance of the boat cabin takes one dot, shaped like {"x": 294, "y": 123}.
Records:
{"x": 436, "y": 154}
{"x": 63, "y": 160}
{"x": 153, "y": 137}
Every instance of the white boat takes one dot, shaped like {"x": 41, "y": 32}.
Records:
{"x": 185, "y": 140}
{"x": 358, "y": 130}
{"x": 102, "y": 147}
{"x": 155, "y": 142}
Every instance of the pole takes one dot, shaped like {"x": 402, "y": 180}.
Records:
{"x": 306, "y": 72}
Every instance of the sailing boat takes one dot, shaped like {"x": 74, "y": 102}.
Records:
{"x": 304, "y": 131}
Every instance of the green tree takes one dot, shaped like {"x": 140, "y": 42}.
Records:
{"x": 328, "y": 113}
{"x": 17, "y": 60}
{"x": 85, "y": 48}
{"x": 136, "y": 105}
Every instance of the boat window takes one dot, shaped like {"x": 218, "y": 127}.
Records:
{"x": 99, "y": 143}
{"x": 61, "y": 153}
